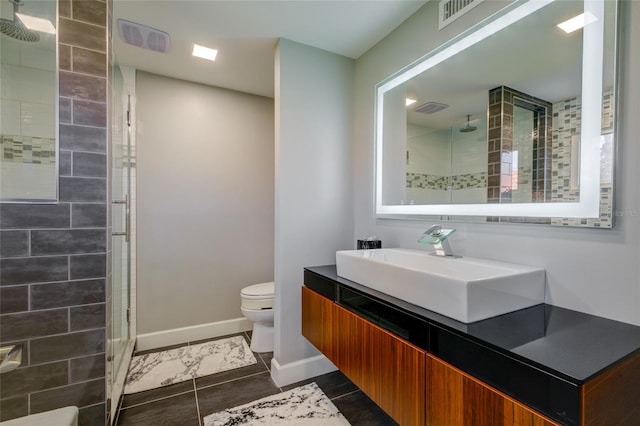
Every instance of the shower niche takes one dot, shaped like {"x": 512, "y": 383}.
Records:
{"x": 28, "y": 101}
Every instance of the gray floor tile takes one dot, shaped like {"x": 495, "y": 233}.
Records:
{"x": 236, "y": 373}
{"x": 230, "y": 394}
{"x": 157, "y": 393}
{"x": 359, "y": 410}
{"x": 333, "y": 384}
{"x": 266, "y": 357}
{"x": 177, "y": 410}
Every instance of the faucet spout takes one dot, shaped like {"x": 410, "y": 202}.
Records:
{"x": 433, "y": 229}
{"x": 437, "y": 236}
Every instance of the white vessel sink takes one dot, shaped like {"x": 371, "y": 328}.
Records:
{"x": 466, "y": 289}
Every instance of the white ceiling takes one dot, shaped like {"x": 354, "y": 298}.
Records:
{"x": 246, "y": 32}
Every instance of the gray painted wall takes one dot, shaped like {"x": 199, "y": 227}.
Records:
{"x": 589, "y": 270}
{"x": 314, "y": 203}
{"x": 205, "y": 201}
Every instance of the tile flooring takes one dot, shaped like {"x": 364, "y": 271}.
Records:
{"x": 186, "y": 403}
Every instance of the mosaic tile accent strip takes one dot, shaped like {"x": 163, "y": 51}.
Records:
{"x": 444, "y": 183}
{"x": 426, "y": 181}
{"x": 566, "y": 131}
{"x": 159, "y": 369}
{"x": 608, "y": 106}
{"x": 27, "y": 149}
{"x": 303, "y": 406}
{"x": 606, "y": 213}
{"x": 469, "y": 180}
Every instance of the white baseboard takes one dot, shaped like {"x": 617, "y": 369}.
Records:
{"x": 304, "y": 369}
{"x": 176, "y": 336}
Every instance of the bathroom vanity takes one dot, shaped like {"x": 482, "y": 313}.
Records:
{"x": 541, "y": 365}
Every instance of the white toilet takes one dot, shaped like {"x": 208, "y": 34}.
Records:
{"x": 257, "y": 306}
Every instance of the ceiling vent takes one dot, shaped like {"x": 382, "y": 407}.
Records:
{"x": 142, "y": 36}
{"x": 430, "y": 107}
{"x": 450, "y": 10}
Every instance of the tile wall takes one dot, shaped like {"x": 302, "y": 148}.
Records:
{"x": 27, "y": 103}
{"x": 445, "y": 183}
{"x": 566, "y": 131}
{"x": 502, "y": 102}
{"x": 54, "y": 284}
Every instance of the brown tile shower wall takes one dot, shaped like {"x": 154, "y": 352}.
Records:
{"x": 54, "y": 284}
{"x": 500, "y": 141}
{"x": 494, "y": 142}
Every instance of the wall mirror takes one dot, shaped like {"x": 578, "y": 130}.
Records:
{"x": 28, "y": 96}
{"x": 513, "y": 120}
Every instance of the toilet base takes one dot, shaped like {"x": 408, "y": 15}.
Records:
{"x": 262, "y": 337}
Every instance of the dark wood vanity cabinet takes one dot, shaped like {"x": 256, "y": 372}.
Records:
{"x": 455, "y": 398}
{"x": 431, "y": 384}
{"x": 388, "y": 369}
{"x": 414, "y": 388}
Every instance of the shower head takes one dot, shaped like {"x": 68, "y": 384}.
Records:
{"x": 16, "y": 29}
{"x": 468, "y": 128}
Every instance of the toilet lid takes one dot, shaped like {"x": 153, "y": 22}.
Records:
{"x": 258, "y": 291}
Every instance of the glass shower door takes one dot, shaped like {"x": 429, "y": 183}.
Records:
{"x": 120, "y": 338}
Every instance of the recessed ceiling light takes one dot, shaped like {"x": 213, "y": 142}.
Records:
{"x": 204, "y": 52}
{"x": 410, "y": 101}
{"x": 577, "y": 22}
{"x": 36, "y": 24}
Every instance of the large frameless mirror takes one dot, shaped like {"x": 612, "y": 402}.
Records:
{"x": 28, "y": 96}
{"x": 511, "y": 121}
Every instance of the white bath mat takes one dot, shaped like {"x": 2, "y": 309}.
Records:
{"x": 177, "y": 365}
{"x": 303, "y": 406}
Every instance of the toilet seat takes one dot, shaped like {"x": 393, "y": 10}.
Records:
{"x": 258, "y": 296}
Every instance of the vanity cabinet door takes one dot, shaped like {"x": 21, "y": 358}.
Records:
{"x": 318, "y": 322}
{"x": 388, "y": 369}
{"x": 457, "y": 399}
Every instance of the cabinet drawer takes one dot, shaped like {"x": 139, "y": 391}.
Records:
{"x": 548, "y": 394}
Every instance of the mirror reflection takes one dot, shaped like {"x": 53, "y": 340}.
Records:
{"x": 500, "y": 121}
{"x": 28, "y": 88}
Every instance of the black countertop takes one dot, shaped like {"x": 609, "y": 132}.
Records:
{"x": 571, "y": 345}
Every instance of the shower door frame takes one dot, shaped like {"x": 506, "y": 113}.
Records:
{"x": 122, "y": 331}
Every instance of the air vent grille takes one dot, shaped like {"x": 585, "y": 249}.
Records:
{"x": 450, "y": 10}
{"x": 430, "y": 107}
{"x": 142, "y": 36}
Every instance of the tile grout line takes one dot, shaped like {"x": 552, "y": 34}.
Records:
{"x": 153, "y": 400}
{"x": 344, "y": 394}
{"x": 263, "y": 362}
{"x": 233, "y": 380}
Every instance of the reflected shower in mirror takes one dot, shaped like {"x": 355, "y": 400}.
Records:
{"x": 496, "y": 118}
{"x": 28, "y": 96}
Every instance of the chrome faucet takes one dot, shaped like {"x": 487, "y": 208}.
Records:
{"x": 437, "y": 236}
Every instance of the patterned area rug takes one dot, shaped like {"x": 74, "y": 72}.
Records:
{"x": 303, "y": 406}
{"x": 177, "y": 365}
